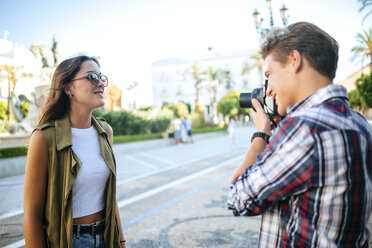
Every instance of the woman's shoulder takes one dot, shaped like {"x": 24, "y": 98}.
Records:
{"x": 37, "y": 138}
{"x": 45, "y": 125}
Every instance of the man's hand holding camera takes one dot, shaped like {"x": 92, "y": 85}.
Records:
{"x": 260, "y": 119}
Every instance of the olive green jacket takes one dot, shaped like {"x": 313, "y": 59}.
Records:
{"x": 63, "y": 166}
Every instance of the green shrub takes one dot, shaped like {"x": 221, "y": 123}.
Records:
{"x": 4, "y": 125}
{"x": 120, "y": 121}
{"x": 197, "y": 117}
{"x": 159, "y": 125}
{"x": 158, "y": 120}
{"x": 139, "y": 122}
{"x": 3, "y": 111}
{"x": 179, "y": 109}
{"x": 137, "y": 137}
{"x": 197, "y": 120}
{"x": 13, "y": 152}
{"x": 364, "y": 86}
{"x": 355, "y": 100}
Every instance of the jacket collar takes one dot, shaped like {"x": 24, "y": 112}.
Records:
{"x": 63, "y": 131}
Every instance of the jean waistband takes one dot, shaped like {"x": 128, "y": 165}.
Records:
{"x": 93, "y": 229}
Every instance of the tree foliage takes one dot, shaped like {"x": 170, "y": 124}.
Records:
{"x": 255, "y": 61}
{"x": 196, "y": 72}
{"x": 179, "y": 109}
{"x": 197, "y": 117}
{"x": 142, "y": 122}
{"x": 229, "y": 105}
{"x": 355, "y": 100}
{"x": 49, "y": 59}
{"x": 12, "y": 75}
{"x": 364, "y": 86}
{"x": 365, "y": 5}
{"x": 3, "y": 111}
{"x": 364, "y": 48}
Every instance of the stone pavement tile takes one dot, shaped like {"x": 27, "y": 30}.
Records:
{"x": 11, "y": 230}
{"x": 201, "y": 220}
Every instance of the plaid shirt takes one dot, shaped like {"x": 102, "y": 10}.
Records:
{"x": 313, "y": 182}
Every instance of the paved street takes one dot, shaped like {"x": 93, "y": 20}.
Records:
{"x": 169, "y": 197}
{"x": 173, "y": 196}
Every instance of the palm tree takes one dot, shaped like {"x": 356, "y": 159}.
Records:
{"x": 365, "y": 4}
{"x": 13, "y": 74}
{"x": 54, "y": 51}
{"x": 217, "y": 77}
{"x": 255, "y": 61}
{"x": 45, "y": 56}
{"x": 364, "y": 49}
{"x": 196, "y": 73}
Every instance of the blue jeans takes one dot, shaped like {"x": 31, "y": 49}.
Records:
{"x": 86, "y": 240}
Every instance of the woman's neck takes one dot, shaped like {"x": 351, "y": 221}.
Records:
{"x": 80, "y": 119}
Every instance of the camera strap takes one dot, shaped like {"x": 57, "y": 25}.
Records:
{"x": 272, "y": 121}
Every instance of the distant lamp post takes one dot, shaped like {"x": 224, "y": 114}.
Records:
{"x": 258, "y": 21}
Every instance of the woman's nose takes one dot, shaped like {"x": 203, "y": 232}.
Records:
{"x": 101, "y": 84}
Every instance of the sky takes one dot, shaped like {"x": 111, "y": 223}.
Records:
{"x": 129, "y": 35}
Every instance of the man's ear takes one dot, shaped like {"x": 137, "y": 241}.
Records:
{"x": 296, "y": 60}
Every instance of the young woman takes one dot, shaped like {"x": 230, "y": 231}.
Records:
{"x": 70, "y": 183}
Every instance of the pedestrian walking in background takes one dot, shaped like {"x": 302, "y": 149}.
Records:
{"x": 70, "y": 183}
{"x": 177, "y": 127}
{"x": 231, "y": 128}
{"x": 187, "y": 123}
{"x": 311, "y": 181}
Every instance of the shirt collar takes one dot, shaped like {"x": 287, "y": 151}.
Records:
{"x": 321, "y": 95}
{"x": 63, "y": 131}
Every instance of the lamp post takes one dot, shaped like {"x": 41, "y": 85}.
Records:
{"x": 258, "y": 21}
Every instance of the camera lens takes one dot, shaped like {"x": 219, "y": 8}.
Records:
{"x": 245, "y": 100}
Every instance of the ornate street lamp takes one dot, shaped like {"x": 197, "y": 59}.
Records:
{"x": 258, "y": 21}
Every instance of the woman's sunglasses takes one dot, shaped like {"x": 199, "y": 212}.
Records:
{"x": 94, "y": 77}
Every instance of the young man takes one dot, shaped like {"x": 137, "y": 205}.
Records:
{"x": 311, "y": 180}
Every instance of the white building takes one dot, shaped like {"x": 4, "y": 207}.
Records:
{"x": 14, "y": 54}
{"x": 173, "y": 82}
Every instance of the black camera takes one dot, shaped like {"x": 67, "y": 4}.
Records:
{"x": 267, "y": 102}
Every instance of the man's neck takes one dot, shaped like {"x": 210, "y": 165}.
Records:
{"x": 309, "y": 82}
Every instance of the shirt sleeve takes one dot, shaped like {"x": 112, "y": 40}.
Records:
{"x": 284, "y": 169}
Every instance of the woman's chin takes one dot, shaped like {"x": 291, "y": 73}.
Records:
{"x": 99, "y": 105}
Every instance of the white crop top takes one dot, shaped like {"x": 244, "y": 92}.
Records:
{"x": 88, "y": 192}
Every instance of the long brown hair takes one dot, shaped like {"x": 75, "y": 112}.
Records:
{"x": 57, "y": 104}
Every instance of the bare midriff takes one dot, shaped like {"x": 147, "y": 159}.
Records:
{"x": 89, "y": 219}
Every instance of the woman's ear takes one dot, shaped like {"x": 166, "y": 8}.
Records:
{"x": 68, "y": 90}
